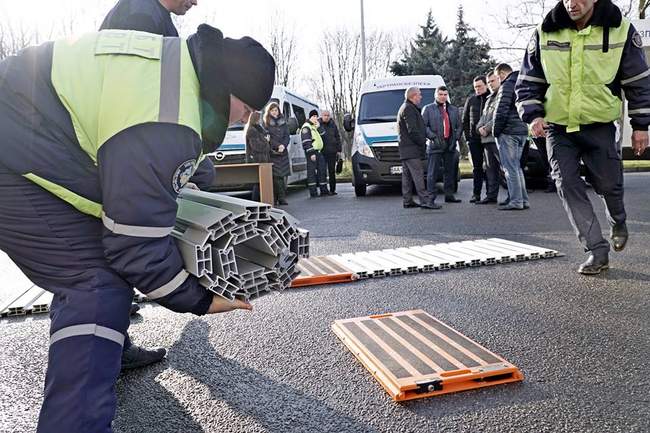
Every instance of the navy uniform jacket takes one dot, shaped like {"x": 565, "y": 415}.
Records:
{"x": 135, "y": 177}
{"x": 633, "y": 75}
{"x": 143, "y": 15}
{"x": 152, "y": 17}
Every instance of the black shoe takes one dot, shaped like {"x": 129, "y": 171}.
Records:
{"x": 452, "y": 199}
{"x": 410, "y": 205}
{"x": 593, "y": 265}
{"x": 475, "y": 198}
{"x": 504, "y": 202}
{"x": 431, "y": 206}
{"x": 282, "y": 202}
{"x": 526, "y": 206}
{"x": 134, "y": 309}
{"x": 333, "y": 193}
{"x": 324, "y": 192}
{"x": 619, "y": 236}
{"x": 487, "y": 201}
{"x": 137, "y": 357}
{"x": 510, "y": 207}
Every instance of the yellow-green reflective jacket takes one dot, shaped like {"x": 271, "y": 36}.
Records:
{"x": 578, "y": 72}
{"x": 116, "y": 79}
{"x": 317, "y": 140}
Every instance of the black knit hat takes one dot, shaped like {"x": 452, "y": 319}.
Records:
{"x": 225, "y": 66}
{"x": 313, "y": 113}
{"x": 249, "y": 71}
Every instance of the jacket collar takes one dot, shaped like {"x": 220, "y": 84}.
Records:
{"x": 606, "y": 14}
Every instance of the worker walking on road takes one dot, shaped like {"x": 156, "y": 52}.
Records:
{"x": 569, "y": 90}
{"x": 99, "y": 135}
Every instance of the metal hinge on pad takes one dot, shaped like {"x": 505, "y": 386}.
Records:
{"x": 429, "y": 386}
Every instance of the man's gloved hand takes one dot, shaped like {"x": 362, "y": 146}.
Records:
{"x": 221, "y": 305}
{"x": 639, "y": 142}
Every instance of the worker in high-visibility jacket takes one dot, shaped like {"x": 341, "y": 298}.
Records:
{"x": 311, "y": 135}
{"x": 569, "y": 90}
{"x": 99, "y": 134}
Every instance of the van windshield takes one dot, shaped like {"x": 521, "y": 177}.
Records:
{"x": 383, "y": 106}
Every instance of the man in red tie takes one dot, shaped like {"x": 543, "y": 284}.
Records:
{"x": 443, "y": 125}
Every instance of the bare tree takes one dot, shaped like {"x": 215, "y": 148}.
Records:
{"x": 281, "y": 40}
{"x": 338, "y": 80}
{"x": 522, "y": 20}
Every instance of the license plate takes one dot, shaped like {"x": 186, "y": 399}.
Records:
{"x": 396, "y": 169}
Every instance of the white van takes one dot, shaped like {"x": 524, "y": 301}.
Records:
{"x": 233, "y": 149}
{"x": 375, "y": 154}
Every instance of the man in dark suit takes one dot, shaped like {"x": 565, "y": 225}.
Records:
{"x": 443, "y": 129}
{"x": 412, "y": 141}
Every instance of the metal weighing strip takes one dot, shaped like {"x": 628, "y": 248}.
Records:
{"x": 339, "y": 268}
{"x": 413, "y": 355}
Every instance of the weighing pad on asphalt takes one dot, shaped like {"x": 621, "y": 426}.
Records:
{"x": 413, "y": 355}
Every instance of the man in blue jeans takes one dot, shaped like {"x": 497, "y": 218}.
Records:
{"x": 511, "y": 134}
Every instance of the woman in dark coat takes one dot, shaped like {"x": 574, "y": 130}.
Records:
{"x": 257, "y": 146}
{"x": 278, "y": 129}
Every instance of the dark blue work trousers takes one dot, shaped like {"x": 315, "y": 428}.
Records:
{"x": 60, "y": 249}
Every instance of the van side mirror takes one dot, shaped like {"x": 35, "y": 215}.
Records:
{"x": 348, "y": 122}
{"x": 292, "y": 123}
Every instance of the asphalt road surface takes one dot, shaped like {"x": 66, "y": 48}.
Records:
{"x": 583, "y": 343}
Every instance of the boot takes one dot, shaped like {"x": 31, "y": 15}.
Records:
{"x": 137, "y": 357}
{"x": 619, "y": 236}
{"x": 134, "y": 309}
{"x": 594, "y": 265}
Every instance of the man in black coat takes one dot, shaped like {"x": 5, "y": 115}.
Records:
{"x": 151, "y": 16}
{"x": 511, "y": 134}
{"x": 471, "y": 116}
{"x": 331, "y": 147}
{"x": 412, "y": 143}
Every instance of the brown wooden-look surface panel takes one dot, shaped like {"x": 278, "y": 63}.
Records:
{"x": 413, "y": 355}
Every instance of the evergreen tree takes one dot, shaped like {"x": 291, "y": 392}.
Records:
{"x": 466, "y": 58}
{"x": 426, "y": 54}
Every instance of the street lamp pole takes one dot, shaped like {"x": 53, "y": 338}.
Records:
{"x": 363, "y": 45}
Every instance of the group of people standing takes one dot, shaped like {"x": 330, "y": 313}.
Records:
{"x": 267, "y": 140}
{"x": 493, "y": 129}
{"x": 570, "y": 117}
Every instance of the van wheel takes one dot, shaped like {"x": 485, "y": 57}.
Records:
{"x": 360, "y": 189}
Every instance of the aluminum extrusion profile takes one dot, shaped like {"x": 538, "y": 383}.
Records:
{"x": 224, "y": 263}
{"x": 197, "y": 258}
{"x": 219, "y": 286}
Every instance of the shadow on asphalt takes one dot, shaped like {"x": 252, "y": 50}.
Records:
{"x": 620, "y": 274}
{"x": 275, "y": 406}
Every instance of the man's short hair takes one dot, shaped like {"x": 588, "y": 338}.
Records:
{"x": 503, "y": 67}
{"x": 411, "y": 91}
{"x": 480, "y": 78}
{"x": 443, "y": 88}
{"x": 490, "y": 73}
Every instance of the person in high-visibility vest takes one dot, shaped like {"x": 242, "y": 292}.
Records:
{"x": 152, "y": 16}
{"x": 99, "y": 134}
{"x": 311, "y": 135}
{"x": 569, "y": 90}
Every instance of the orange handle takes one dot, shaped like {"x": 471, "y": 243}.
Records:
{"x": 455, "y": 373}
{"x": 380, "y": 316}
